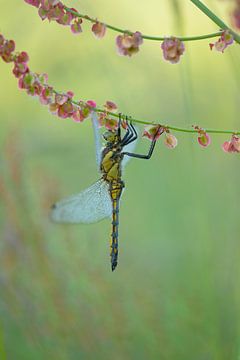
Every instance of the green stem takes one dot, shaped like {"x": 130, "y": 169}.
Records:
{"x": 215, "y": 19}
{"x": 147, "y": 37}
{"x": 144, "y": 122}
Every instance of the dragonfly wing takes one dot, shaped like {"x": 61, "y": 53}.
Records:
{"x": 97, "y": 138}
{"x": 90, "y": 205}
{"x": 128, "y": 148}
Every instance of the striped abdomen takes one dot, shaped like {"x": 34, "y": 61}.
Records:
{"x": 115, "y": 193}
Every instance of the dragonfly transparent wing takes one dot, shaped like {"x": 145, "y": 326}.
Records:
{"x": 128, "y": 148}
{"x": 90, "y": 205}
{"x": 97, "y": 138}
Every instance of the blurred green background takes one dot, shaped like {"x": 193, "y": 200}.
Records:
{"x": 175, "y": 293}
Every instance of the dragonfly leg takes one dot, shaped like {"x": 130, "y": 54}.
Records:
{"x": 150, "y": 152}
{"x": 140, "y": 156}
{"x": 130, "y": 136}
{"x": 134, "y": 135}
{"x": 119, "y": 125}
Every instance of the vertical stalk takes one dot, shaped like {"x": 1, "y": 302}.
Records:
{"x": 215, "y": 19}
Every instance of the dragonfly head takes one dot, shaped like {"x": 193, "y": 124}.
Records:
{"x": 111, "y": 136}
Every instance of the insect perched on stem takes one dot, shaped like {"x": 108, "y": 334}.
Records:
{"x": 102, "y": 199}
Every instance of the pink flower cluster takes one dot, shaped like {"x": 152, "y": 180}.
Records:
{"x": 20, "y": 60}
{"x": 64, "y": 106}
{"x": 172, "y": 48}
{"x": 105, "y": 119}
{"x": 128, "y": 45}
{"x": 36, "y": 85}
{"x": 223, "y": 42}
{"x": 54, "y": 10}
{"x": 233, "y": 145}
{"x": 153, "y": 132}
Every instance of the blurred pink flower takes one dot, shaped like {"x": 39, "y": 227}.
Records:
{"x": 153, "y": 132}
{"x": 170, "y": 141}
{"x": 172, "y": 48}
{"x": 99, "y": 30}
{"x": 223, "y": 42}
{"x": 128, "y": 45}
{"x": 233, "y": 145}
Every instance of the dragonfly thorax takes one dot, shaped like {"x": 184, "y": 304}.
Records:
{"x": 111, "y": 163}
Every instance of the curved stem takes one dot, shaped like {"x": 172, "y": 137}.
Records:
{"x": 146, "y": 37}
{"x": 215, "y": 19}
{"x": 144, "y": 122}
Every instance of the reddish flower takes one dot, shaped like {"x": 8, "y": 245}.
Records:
{"x": 109, "y": 123}
{"x": 110, "y": 106}
{"x": 233, "y": 145}
{"x": 172, "y": 48}
{"x": 153, "y": 132}
{"x": 7, "y": 48}
{"x": 20, "y": 64}
{"x": 76, "y": 26}
{"x": 223, "y": 42}
{"x": 128, "y": 45}
{"x": 35, "y": 3}
{"x": 99, "y": 30}
{"x": 46, "y": 96}
{"x": 91, "y": 103}
{"x": 78, "y": 115}
{"x": 203, "y": 138}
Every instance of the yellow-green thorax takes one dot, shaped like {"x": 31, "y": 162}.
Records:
{"x": 111, "y": 164}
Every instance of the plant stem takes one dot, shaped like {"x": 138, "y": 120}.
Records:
{"x": 215, "y": 19}
{"x": 144, "y": 122}
{"x": 147, "y": 37}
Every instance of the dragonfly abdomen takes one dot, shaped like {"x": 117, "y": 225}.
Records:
{"x": 115, "y": 193}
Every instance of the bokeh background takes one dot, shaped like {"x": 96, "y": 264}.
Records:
{"x": 175, "y": 293}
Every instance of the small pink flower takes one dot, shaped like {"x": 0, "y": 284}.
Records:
{"x": 91, "y": 103}
{"x": 111, "y": 124}
{"x": 76, "y": 26}
{"x": 110, "y": 106}
{"x": 223, "y": 42}
{"x": 152, "y": 132}
{"x": 7, "y": 48}
{"x": 77, "y": 116}
{"x": 35, "y": 3}
{"x": 128, "y": 45}
{"x": 204, "y": 139}
{"x": 65, "y": 18}
{"x": 99, "y": 30}
{"x": 172, "y": 48}
{"x": 170, "y": 141}
{"x": 60, "y": 99}
{"x": 233, "y": 145}
{"x": 101, "y": 118}
{"x": 66, "y": 110}
{"x": 46, "y": 96}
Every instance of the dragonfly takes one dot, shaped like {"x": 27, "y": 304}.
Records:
{"x": 101, "y": 200}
